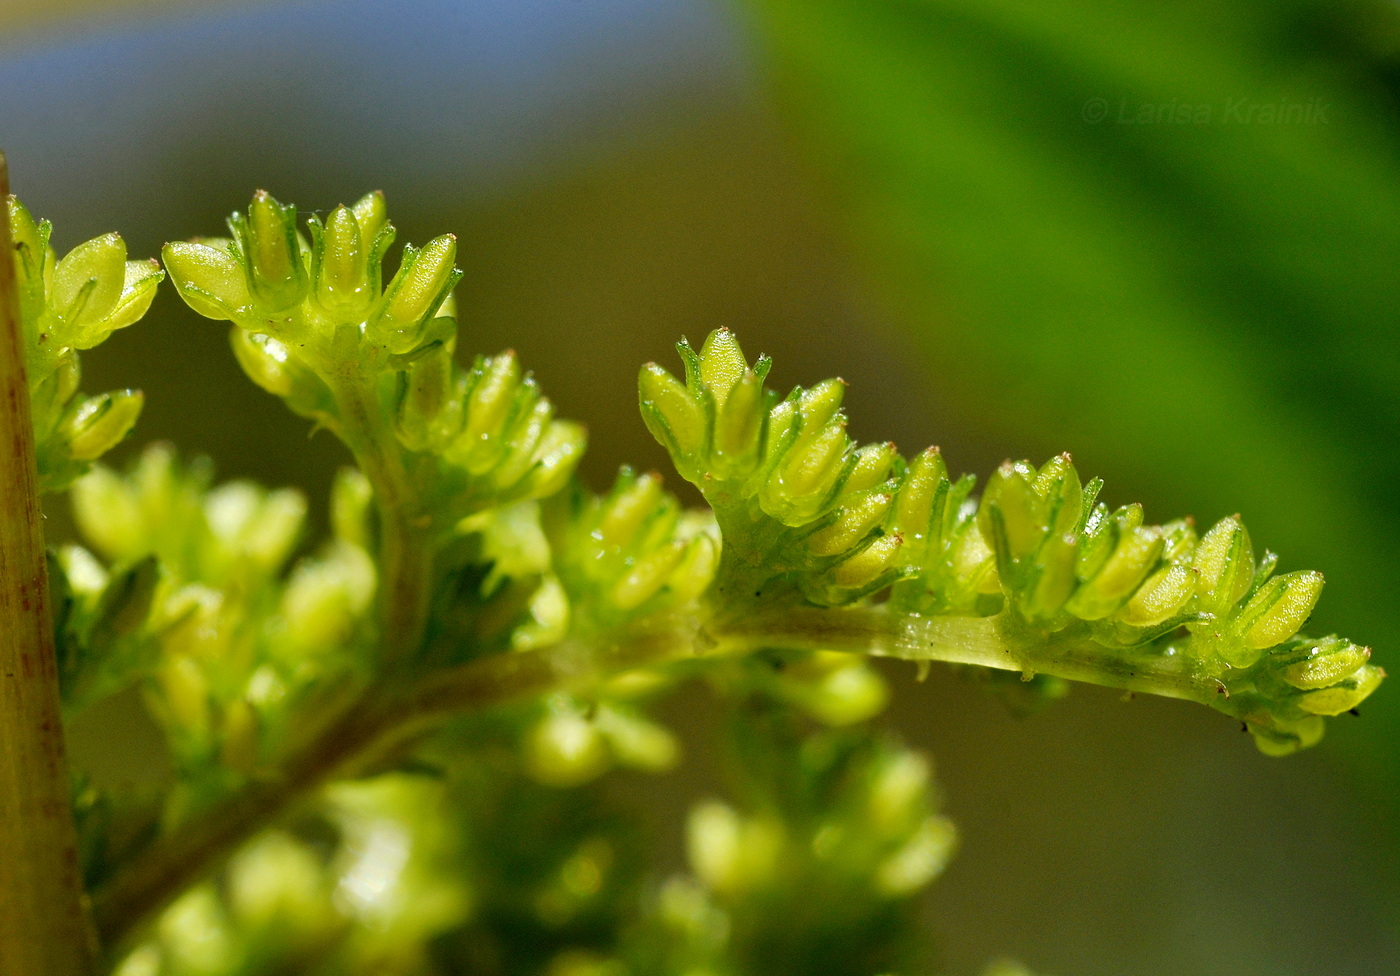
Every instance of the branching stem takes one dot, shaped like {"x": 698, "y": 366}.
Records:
{"x": 405, "y": 552}
{"x": 384, "y": 718}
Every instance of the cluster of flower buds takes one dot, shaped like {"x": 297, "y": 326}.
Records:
{"x": 200, "y": 604}
{"x": 283, "y": 899}
{"x": 200, "y": 533}
{"x": 496, "y": 434}
{"x": 799, "y": 503}
{"x": 632, "y": 550}
{"x": 68, "y": 305}
{"x": 315, "y": 324}
{"x": 787, "y": 483}
{"x": 833, "y": 688}
{"x": 573, "y": 742}
{"x": 861, "y": 816}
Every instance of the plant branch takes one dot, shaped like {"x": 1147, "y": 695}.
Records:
{"x": 405, "y": 555}
{"x": 384, "y": 718}
{"x": 368, "y": 726}
{"x": 44, "y": 927}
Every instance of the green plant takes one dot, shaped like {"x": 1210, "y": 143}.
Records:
{"x": 386, "y": 748}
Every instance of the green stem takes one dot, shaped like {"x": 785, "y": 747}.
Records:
{"x": 986, "y": 641}
{"x": 44, "y": 927}
{"x": 370, "y": 725}
{"x": 385, "y": 718}
{"x": 405, "y": 557}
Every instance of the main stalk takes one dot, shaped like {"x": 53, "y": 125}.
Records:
{"x": 44, "y": 925}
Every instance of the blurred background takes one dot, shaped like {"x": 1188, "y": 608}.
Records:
{"x": 1162, "y": 237}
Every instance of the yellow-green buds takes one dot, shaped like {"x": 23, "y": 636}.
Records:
{"x": 837, "y": 689}
{"x": 65, "y": 306}
{"x": 714, "y": 424}
{"x": 1166, "y": 591}
{"x": 1345, "y": 694}
{"x": 1116, "y": 556}
{"x": 732, "y": 854}
{"x": 634, "y": 548}
{"x": 673, "y": 417}
{"x": 1224, "y": 564}
{"x": 424, "y": 280}
{"x": 100, "y": 423}
{"x": 210, "y": 278}
{"x": 1312, "y": 664}
{"x": 272, "y": 253}
{"x": 1279, "y": 609}
{"x": 571, "y": 744}
{"x": 340, "y": 265}
{"x": 87, "y": 284}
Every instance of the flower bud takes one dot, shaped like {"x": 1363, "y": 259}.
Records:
{"x": 1009, "y": 517}
{"x": 276, "y": 881}
{"x": 1224, "y": 564}
{"x": 845, "y": 695}
{"x": 1279, "y": 609}
{"x": 489, "y": 403}
{"x": 324, "y": 600}
{"x": 139, "y": 281}
{"x": 1345, "y": 694}
{"x": 342, "y": 273}
{"x": 1120, "y": 576}
{"x": 739, "y": 427}
{"x": 264, "y": 360}
{"x": 31, "y": 243}
{"x": 729, "y": 853}
{"x": 1061, "y": 496}
{"x": 276, "y": 274}
{"x": 647, "y": 576}
{"x": 109, "y": 514}
{"x": 272, "y": 535}
{"x": 1160, "y": 597}
{"x": 422, "y": 284}
{"x": 565, "y": 749}
{"x": 372, "y": 217}
{"x": 868, "y": 565}
{"x": 898, "y": 791}
{"x": 858, "y": 517}
{"x": 722, "y": 363}
{"x": 631, "y": 505}
{"x": 873, "y": 465}
{"x": 423, "y": 389}
{"x": 1309, "y": 665}
{"x": 556, "y": 458}
{"x": 209, "y": 279}
{"x": 922, "y": 858}
{"x": 801, "y": 487}
{"x": 1283, "y": 738}
{"x": 636, "y": 742}
{"x": 100, "y": 423}
{"x": 672, "y": 416}
{"x": 920, "y": 504}
{"x": 820, "y": 404}
{"x": 86, "y": 286}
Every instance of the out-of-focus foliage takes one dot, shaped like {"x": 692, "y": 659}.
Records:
{"x": 1164, "y": 235}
